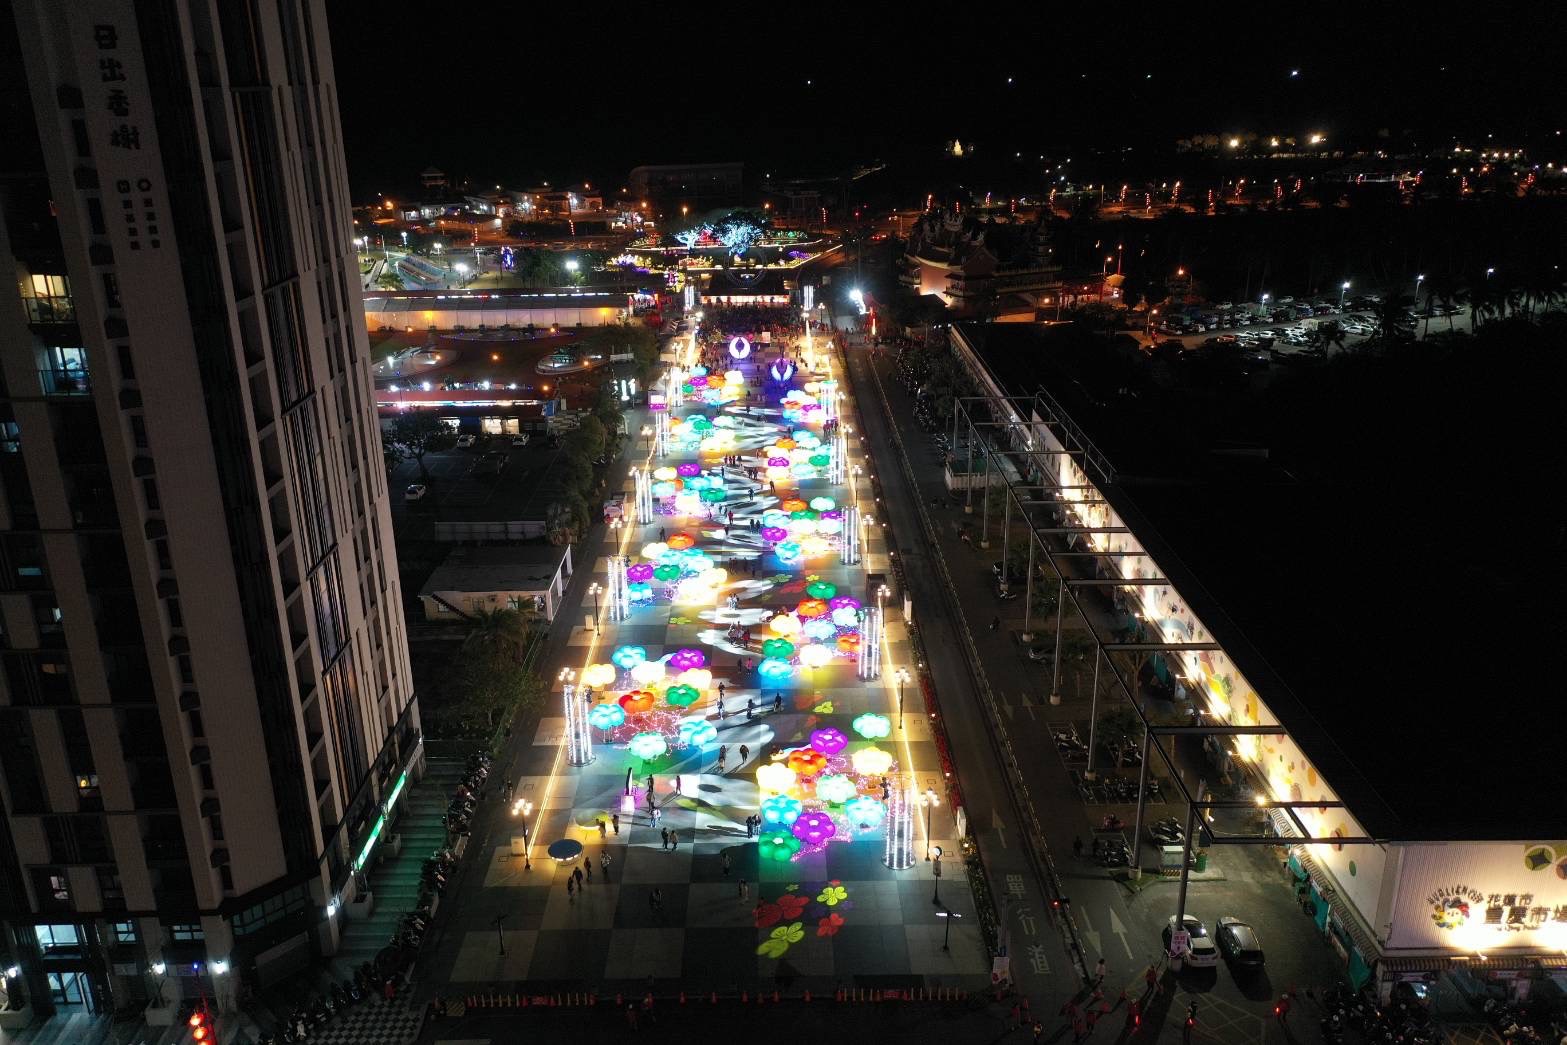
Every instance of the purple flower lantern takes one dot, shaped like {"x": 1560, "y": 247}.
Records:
{"x": 774, "y": 534}
{"x": 688, "y": 470}
{"x": 829, "y": 741}
{"x": 639, "y": 573}
{"x": 687, "y": 659}
{"x": 844, "y": 602}
{"x": 778, "y": 462}
{"x": 814, "y": 828}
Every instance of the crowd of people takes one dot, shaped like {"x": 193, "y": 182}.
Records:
{"x": 750, "y": 320}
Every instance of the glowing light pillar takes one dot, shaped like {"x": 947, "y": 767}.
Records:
{"x": 661, "y": 436}
{"x": 849, "y": 546}
{"x": 900, "y": 826}
{"x": 676, "y": 382}
{"x": 870, "y": 642}
{"x": 579, "y": 742}
{"x": 644, "y": 499}
{"x": 830, "y": 400}
{"x": 619, "y": 589}
{"x": 840, "y": 457}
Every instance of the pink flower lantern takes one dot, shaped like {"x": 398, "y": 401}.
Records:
{"x": 639, "y": 573}
{"x": 844, "y": 602}
{"x": 829, "y": 741}
{"x": 774, "y": 534}
{"x": 688, "y": 470}
{"x": 814, "y": 828}
{"x": 778, "y": 462}
{"x": 687, "y": 659}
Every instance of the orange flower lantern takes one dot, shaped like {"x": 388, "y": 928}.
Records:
{"x": 812, "y": 608}
{"x": 849, "y": 642}
{"x": 793, "y": 504}
{"x": 681, "y": 541}
{"x": 636, "y": 701}
{"x": 785, "y": 444}
{"x": 807, "y": 761}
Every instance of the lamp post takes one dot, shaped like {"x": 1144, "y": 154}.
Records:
{"x": 903, "y": 677}
{"x": 946, "y": 934}
{"x": 593, "y": 590}
{"x": 1418, "y": 280}
{"x": 500, "y": 920}
{"x": 929, "y": 801}
{"x": 935, "y": 871}
{"x": 1341, "y": 288}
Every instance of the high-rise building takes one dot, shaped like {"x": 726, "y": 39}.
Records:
{"x": 206, "y": 711}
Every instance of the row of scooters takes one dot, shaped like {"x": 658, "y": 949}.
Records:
{"x": 1402, "y": 1022}
{"x": 382, "y": 974}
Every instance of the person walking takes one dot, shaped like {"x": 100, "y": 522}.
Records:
{"x": 995, "y": 622}
{"x": 1099, "y": 972}
{"x": 721, "y": 753}
{"x": 720, "y": 691}
{"x": 674, "y": 839}
{"x": 603, "y": 829}
{"x": 578, "y": 875}
{"x": 745, "y": 753}
{"x": 587, "y": 865}
{"x": 664, "y": 833}
{"x": 615, "y": 822}
{"x": 604, "y": 865}
{"x": 571, "y": 889}
{"x": 1077, "y": 847}
{"x": 677, "y": 784}
{"x": 1151, "y": 977}
{"x": 724, "y": 860}
{"x": 750, "y": 706}
{"x": 745, "y": 890}
{"x": 778, "y": 701}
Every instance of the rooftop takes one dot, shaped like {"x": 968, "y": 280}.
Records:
{"x": 496, "y": 568}
{"x": 1373, "y": 540}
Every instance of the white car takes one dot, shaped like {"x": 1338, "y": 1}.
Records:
{"x": 1201, "y": 950}
{"x": 466, "y": 441}
{"x": 415, "y": 492}
{"x": 520, "y": 440}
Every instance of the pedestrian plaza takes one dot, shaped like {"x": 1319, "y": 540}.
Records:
{"x": 734, "y": 613}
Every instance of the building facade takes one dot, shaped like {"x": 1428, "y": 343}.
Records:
{"x": 206, "y": 706}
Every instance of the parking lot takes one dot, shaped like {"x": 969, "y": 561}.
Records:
{"x": 1287, "y": 335}
{"x": 464, "y": 485}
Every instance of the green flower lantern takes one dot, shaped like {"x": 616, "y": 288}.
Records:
{"x": 778, "y": 649}
{"x": 821, "y": 460}
{"x": 779, "y": 846}
{"x": 667, "y": 573}
{"x": 682, "y": 695}
{"x": 821, "y": 590}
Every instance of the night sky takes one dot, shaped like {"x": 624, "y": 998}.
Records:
{"x": 518, "y": 93}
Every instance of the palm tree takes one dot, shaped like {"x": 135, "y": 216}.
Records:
{"x": 1482, "y": 299}
{"x": 1390, "y": 317}
{"x": 498, "y": 632}
{"x": 1328, "y": 334}
{"x": 1541, "y": 287}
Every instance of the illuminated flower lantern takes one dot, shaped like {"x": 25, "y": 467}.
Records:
{"x": 640, "y": 592}
{"x": 664, "y": 488}
{"x": 664, "y": 472}
{"x": 775, "y": 670}
{"x": 698, "y": 424}
{"x": 701, "y": 678}
{"x": 648, "y": 671}
{"x": 774, "y": 534}
{"x": 697, "y": 732}
{"x": 819, "y": 628}
{"x": 647, "y": 745}
{"x": 814, "y": 547}
{"x": 821, "y": 590}
{"x": 781, "y": 810}
{"x": 688, "y": 503}
{"x": 807, "y": 761}
{"x": 699, "y": 382}
{"x": 667, "y": 573}
{"x": 794, "y": 504}
{"x": 790, "y": 552}
{"x": 872, "y": 726}
{"x": 871, "y": 761}
{"x": 713, "y": 577}
{"x": 845, "y": 617}
{"x": 639, "y": 573}
{"x": 849, "y": 642}
{"x": 637, "y": 701}
{"x": 844, "y": 602}
{"x": 836, "y": 789}
{"x": 829, "y": 741}
{"x": 599, "y": 675}
{"x": 864, "y": 812}
{"x": 606, "y": 716}
{"x": 628, "y": 657}
{"x": 732, "y": 377}
{"x": 812, "y": 608}
{"x": 682, "y": 696}
{"x": 655, "y": 552}
{"x": 814, "y": 828}
{"x": 823, "y": 504}
{"x": 803, "y": 471}
{"x": 779, "y": 649}
{"x": 686, "y": 659}
{"x": 699, "y": 370}
{"x": 784, "y": 624}
{"x": 779, "y": 846}
{"x": 825, "y": 525}
{"x": 681, "y": 541}
{"x": 815, "y": 656}
{"x": 712, "y": 496}
{"x": 778, "y": 462}
{"x": 774, "y": 778}
{"x": 819, "y": 460}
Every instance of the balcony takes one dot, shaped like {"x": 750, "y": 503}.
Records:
{"x": 63, "y": 381}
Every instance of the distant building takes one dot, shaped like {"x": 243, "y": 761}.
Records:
{"x": 699, "y": 186}
{"x": 432, "y": 178}
{"x": 529, "y": 579}
{"x": 981, "y": 264}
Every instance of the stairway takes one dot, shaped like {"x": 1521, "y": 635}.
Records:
{"x": 394, "y": 880}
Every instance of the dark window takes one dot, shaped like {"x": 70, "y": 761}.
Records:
{"x": 176, "y": 616}
{"x": 197, "y": 727}
{"x": 127, "y": 366}
{"x": 95, "y": 216}
{"x": 111, "y": 291}
{"x": 79, "y": 135}
{"x": 139, "y": 431}
{"x": 226, "y": 876}
{"x": 22, "y": 556}
{"x": 187, "y": 673}
{"x": 216, "y": 820}
{"x": 205, "y": 772}
{"x": 149, "y": 490}
{"x": 162, "y": 549}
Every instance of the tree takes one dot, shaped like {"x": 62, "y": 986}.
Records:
{"x": 499, "y": 632}
{"x": 392, "y": 453}
{"x": 1390, "y": 317}
{"x": 1325, "y": 335}
{"x": 419, "y": 432}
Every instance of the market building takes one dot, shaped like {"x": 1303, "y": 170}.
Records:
{"x": 1369, "y": 676}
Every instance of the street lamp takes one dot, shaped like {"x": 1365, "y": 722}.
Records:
{"x": 593, "y": 590}
{"x": 935, "y": 870}
{"x": 929, "y": 801}
{"x": 946, "y": 934}
{"x": 1488, "y": 272}
{"x": 903, "y": 676}
{"x": 1342, "y": 287}
{"x": 1418, "y": 280}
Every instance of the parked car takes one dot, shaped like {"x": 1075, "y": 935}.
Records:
{"x": 467, "y": 441}
{"x": 521, "y": 439}
{"x": 415, "y": 492}
{"x": 1201, "y": 950}
{"x": 1239, "y": 944}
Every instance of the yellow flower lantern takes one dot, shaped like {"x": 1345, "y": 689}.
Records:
{"x": 871, "y": 761}
{"x": 775, "y": 778}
